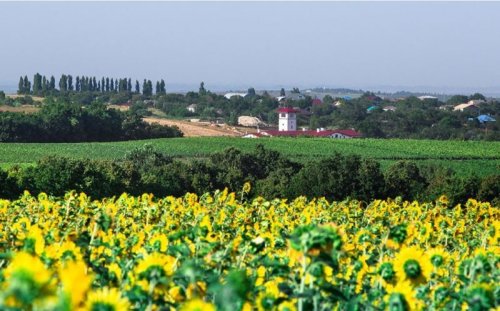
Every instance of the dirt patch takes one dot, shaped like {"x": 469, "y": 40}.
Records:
{"x": 35, "y": 98}
{"x": 119, "y": 107}
{"x": 23, "y": 108}
{"x": 195, "y": 129}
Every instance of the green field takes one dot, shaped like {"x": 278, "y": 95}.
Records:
{"x": 466, "y": 157}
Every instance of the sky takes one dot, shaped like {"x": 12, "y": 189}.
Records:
{"x": 433, "y": 46}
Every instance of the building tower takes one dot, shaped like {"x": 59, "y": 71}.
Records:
{"x": 287, "y": 119}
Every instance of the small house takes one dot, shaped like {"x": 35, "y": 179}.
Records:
{"x": 485, "y": 118}
{"x": 192, "y": 108}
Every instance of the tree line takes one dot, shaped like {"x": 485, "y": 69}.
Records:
{"x": 62, "y": 122}
{"x": 272, "y": 175}
{"x": 43, "y": 86}
{"x": 409, "y": 118}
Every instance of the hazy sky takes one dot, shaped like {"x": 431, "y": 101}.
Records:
{"x": 260, "y": 44}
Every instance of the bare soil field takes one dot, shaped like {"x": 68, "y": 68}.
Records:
{"x": 201, "y": 129}
{"x": 23, "y": 108}
{"x": 35, "y": 98}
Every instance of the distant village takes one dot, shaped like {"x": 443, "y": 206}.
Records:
{"x": 319, "y": 112}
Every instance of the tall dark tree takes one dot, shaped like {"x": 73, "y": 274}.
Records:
{"x": 282, "y": 92}
{"x": 37, "y": 84}
{"x": 122, "y": 86}
{"x": 20, "y": 87}
{"x": 94, "y": 84}
{"x": 163, "y": 90}
{"x": 107, "y": 85}
{"x": 45, "y": 85}
{"x": 52, "y": 85}
{"x": 70, "y": 82}
{"x": 157, "y": 90}
{"x": 202, "y": 90}
{"x": 137, "y": 87}
{"x": 63, "y": 83}
{"x": 27, "y": 85}
{"x": 83, "y": 84}
{"x": 145, "y": 88}
{"x": 129, "y": 85}
{"x": 112, "y": 85}
{"x": 103, "y": 83}
{"x": 77, "y": 84}
{"x": 251, "y": 91}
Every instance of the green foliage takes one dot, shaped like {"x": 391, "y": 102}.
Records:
{"x": 60, "y": 122}
{"x": 147, "y": 169}
{"x": 466, "y": 158}
{"x": 403, "y": 179}
{"x": 457, "y": 99}
{"x": 490, "y": 189}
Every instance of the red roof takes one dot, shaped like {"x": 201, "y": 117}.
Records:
{"x": 317, "y": 101}
{"x": 312, "y": 133}
{"x": 287, "y": 109}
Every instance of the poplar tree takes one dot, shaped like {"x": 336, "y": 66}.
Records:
{"x": 52, "y": 85}
{"x": 137, "y": 87}
{"x": 37, "y": 84}
{"x": 27, "y": 85}
{"x": 162, "y": 87}
{"x": 63, "y": 83}
{"x": 202, "y": 90}
{"x": 45, "y": 85}
{"x": 70, "y": 82}
{"x": 158, "y": 90}
{"x": 20, "y": 86}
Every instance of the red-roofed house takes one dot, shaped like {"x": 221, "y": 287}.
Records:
{"x": 287, "y": 119}
{"x": 316, "y": 102}
{"x": 288, "y": 128}
{"x": 341, "y": 134}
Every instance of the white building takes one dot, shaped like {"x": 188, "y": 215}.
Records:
{"x": 192, "y": 108}
{"x": 287, "y": 119}
{"x": 426, "y": 97}
{"x": 229, "y": 95}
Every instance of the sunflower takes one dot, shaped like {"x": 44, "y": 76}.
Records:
{"x": 402, "y": 296}
{"x": 287, "y": 306}
{"x": 75, "y": 281}
{"x": 197, "y": 305}
{"x": 162, "y": 264}
{"x": 27, "y": 266}
{"x": 438, "y": 256}
{"x": 106, "y": 299}
{"x": 386, "y": 272}
{"x": 261, "y": 275}
{"x": 34, "y": 241}
{"x": 69, "y": 250}
{"x": 159, "y": 242}
{"x": 412, "y": 264}
{"x": 115, "y": 270}
{"x": 27, "y": 280}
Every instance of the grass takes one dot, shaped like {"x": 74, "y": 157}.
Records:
{"x": 466, "y": 157}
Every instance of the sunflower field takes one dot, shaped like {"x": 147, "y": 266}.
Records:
{"x": 224, "y": 251}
